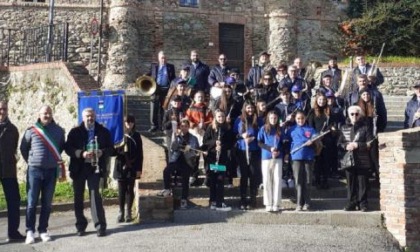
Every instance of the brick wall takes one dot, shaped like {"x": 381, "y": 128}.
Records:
{"x": 400, "y": 185}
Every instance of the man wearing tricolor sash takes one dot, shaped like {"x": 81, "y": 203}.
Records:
{"x": 41, "y": 148}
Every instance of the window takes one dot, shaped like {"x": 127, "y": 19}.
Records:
{"x": 188, "y": 3}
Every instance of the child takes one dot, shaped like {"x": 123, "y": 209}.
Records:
{"x": 302, "y": 159}
{"x": 270, "y": 142}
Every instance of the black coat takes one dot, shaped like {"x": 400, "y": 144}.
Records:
{"x": 201, "y": 74}
{"x": 129, "y": 157}
{"x": 209, "y": 143}
{"x": 77, "y": 141}
{"x": 9, "y": 137}
{"x": 347, "y": 134}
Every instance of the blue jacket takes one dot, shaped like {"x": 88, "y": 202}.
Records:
{"x": 201, "y": 74}
{"x": 217, "y": 74}
{"x": 35, "y": 152}
{"x": 299, "y": 135}
{"x": 237, "y": 129}
{"x": 268, "y": 140}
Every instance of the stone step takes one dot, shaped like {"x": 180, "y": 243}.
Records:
{"x": 329, "y": 217}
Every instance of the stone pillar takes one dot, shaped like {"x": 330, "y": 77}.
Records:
{"x": 400, "y": 185}
{"x": 122, "y": 65}
{"x": 283, "y": 37}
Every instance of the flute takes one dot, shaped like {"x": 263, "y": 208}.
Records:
{"x": 246, "y": 143}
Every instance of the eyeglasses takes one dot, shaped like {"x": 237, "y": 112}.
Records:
{"x": 267, "y": 78}
{"x": 222, "y": 59}
{"x": 354, "y": 114}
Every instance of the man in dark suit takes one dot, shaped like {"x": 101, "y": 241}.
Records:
{"x": 163, "y": 73}
{"x": 200, "y": 72}
{"x": 375, "y": 76}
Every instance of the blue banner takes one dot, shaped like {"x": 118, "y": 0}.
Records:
{"x": 109, "y": 108}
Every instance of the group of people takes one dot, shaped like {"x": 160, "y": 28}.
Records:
{"x": 277, "y": 127}
{"x": 88, "y": 145}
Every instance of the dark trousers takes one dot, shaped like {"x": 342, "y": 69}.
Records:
{"x": 302, "y": 171}
{"x": 88, "y": 175}
{"x": 181, "y": 167}
{"x": 231, "y": 165}
{"x": 251, "y": 172}
{"x": 217, "y": 187}
{"x": 156, "y": 110}
{"x": 11, "y": 193}
{"x": 357, "y": 186}
{"x": 126, "y": 193}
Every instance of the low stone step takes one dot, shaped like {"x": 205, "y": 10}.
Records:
{"x": 331, "y": 217}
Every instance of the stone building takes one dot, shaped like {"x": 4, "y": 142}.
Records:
{"x": 135, "y": 30}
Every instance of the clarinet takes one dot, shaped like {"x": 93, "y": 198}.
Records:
{"x": 218, "y": 152}
{"x": 95, "y": 158}
{"x": 246, "y": 143}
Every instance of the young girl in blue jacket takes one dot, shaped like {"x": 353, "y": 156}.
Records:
{"x": 302, "y": 159}
{"x": 270, "y": 141}
{"x": 248, "y": 154}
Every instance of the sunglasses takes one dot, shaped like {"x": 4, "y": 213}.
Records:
{"x": 222, "y": 59}
{"x": 354, "y": 114}
{"x": 267, "y": 78}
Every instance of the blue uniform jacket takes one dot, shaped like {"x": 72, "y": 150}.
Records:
{"x": 237, "y": 129}
{"x": 268, "y": 140}
{"x": 298, "y": 136}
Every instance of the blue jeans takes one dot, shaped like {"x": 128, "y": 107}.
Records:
{"x": 39, "y": 181}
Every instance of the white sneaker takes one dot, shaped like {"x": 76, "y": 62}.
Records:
{"x": 45, "y": 237}
{"x": 30, "y": 237}
{"x": 275, "y": 209}
{"x": 213, "y": 205}
{"x": 164, "y": 193}
{"x": 268, "y": 208}
{"x": 224, "y": 208}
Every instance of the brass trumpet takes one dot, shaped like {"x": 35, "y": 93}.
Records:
{"x": 146, "y": 84}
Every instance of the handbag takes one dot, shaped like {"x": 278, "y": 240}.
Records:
{"x": 347, "y": 162}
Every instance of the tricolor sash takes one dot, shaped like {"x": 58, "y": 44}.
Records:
{"x": 52, "y": 146}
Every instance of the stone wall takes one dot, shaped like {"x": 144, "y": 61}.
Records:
{"x": 32, "y": 86}
{"x": 399, "y": 80}
{"x": 400, "y": 185}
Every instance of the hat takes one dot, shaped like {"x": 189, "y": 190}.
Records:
{"x": 417, "y": 84}
{"x": 329, "y": 94}
{"x": 185, "y": 67}
{"x": 235, "y": 70}
{"x": 181, "y": 81}
{"x": 327, "y": 75}
{"x": 296, "y": 88}
{"x": 265, "y": 53}
{"x": 230, "y": 80}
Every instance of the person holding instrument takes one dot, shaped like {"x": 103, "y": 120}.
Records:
{"x": 182, "y": 158}
{"x": 82, "y": 168}
{"x": 217, "y": 141}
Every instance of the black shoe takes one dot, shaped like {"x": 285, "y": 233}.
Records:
{"x": 152, "y": 129}
{"x": 16, "y": 238}
{"x": 101, "y": 233}
{"x": 120, "y": 218}
{"x": 350, "y": 207}
{"x": 81, "y": 232}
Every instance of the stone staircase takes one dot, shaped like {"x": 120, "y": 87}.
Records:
{"x": 395, "y": 106}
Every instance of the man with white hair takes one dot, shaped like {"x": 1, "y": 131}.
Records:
{"x": 89, "y": 145}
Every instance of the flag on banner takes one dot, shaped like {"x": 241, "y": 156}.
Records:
{"x": 109, "y": 109}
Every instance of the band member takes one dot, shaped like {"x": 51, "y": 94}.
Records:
{"x": 266, "y": 90}
{"x": 41, "y": 148}
{"x": 219, "y": 73}
{"x": 218, "y": 140}
{"x": 257, "y": 71}
{"x": 321, "y": 119}
{"x": 334, "y": 72}
{"x": 300, "y": 99}
{"x": 200, "y": 116}
{"x": 355, "y": 136}
{"x": 270, "y": 141}
{"x": 285, "y": 108}
{"x": 248, "y": 154}
{"x": 300, "y": 136}
{"x": 374, "y": 79}
{"x": 182, "y": 158}
{"x": 9, "y": 137}
{"x": 411, "y": 114}
{"x": 128, "y": 168}
{"x": 163, "y": 73}
{"x": 171, "y": 120}
{"x": 292, "y": 79}
{"x": 184, "y": 74}
{"x": 281, "y": 72}
{"x": 200, "y": 72}
{"x": 300, "y": 69}
{"x": 89, "y": 145}
{"x": 180, "y": 89}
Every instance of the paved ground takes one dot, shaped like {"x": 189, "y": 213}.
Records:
{"x": 205, "y": 237}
